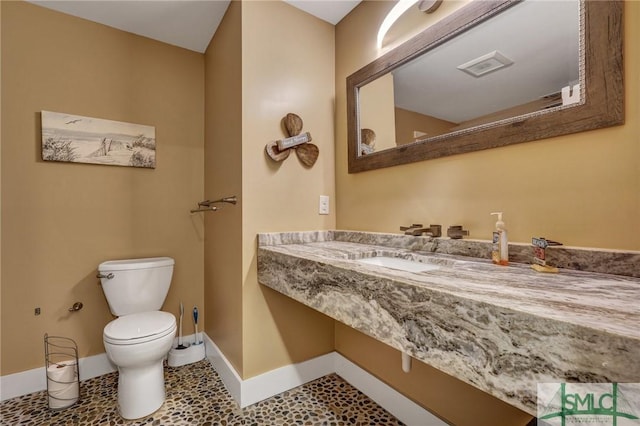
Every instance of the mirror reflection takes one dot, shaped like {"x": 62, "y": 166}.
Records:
{"x": 524, "y": 60}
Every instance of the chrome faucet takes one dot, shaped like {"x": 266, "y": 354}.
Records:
{"x": 456, "y": 232}
{"x": 417, "y": 229}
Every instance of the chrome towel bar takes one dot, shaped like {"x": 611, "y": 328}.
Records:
{"x": 208, "y": 205}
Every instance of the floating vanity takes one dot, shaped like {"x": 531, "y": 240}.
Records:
{"x": 501, "y": 329}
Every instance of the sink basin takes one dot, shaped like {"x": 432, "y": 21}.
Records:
{"x": 399, "y": 264}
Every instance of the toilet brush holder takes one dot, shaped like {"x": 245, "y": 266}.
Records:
{"x": 188, "y": 355}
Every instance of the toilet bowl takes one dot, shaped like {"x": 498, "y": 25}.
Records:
{"x": 137, "y": 344}
{"x": 140, "y": 338}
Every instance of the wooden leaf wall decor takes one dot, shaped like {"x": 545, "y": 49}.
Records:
{"x": 279, "y": 150}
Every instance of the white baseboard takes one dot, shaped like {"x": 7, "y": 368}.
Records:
{"x": 274, "y": 382}
{"x": 34, "y": 380}
{"x": 228, "y": 374}
{"x": 254, "y": 389}
{"x": 271, "y": 383}
{"x": 25, "y": 382}
{"x": 402, "y": 408}
{"x": 18, "y": 384}
{"x": 263, "y": 386}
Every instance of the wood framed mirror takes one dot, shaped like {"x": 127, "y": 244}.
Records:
{"x": 594, "y": 87}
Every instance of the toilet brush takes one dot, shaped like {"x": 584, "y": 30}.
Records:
{"x": 195, "y": 322}
{"x": 180, "y": 345}
{"x": 187, "y": 353}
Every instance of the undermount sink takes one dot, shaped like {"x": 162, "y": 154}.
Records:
{"x": 399, "y": 264}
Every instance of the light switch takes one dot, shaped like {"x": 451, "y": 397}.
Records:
{"x": 323, "y": 207}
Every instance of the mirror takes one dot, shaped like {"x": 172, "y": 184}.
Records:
{"x": 544, "y": 69}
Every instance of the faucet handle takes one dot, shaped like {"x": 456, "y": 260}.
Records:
{"x": 435, "y": 231}
{"x": 417, "y": 230}
{"x": 456, "y": 232}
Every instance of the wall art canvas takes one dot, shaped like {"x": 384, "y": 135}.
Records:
{"x": 79, "y": 139}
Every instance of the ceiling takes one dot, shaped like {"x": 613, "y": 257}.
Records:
{"x": 541, "y": 37}
{"x": 185, "y": 23}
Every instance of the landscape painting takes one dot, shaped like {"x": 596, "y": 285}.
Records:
{"x": 79, "y": 139}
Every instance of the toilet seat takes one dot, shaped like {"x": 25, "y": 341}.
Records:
{"x": 139, "y": 328}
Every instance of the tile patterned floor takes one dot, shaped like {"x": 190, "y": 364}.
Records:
{"x": 197, "y": 396}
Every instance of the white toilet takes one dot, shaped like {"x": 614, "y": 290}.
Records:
{"x": 140, "y": 338}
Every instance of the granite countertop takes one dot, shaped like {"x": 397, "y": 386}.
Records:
{"x": 501, "y": 329}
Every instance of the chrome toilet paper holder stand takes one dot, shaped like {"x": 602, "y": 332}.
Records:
{"x": 61, "y": 352}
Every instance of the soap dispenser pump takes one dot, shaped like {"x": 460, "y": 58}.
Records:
{"x": 500, "y": 248}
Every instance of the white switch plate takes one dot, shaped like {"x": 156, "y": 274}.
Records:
{"x": 323, "y": 207}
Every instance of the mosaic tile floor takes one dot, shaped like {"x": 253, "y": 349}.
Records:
{"x": 197, "y": 396}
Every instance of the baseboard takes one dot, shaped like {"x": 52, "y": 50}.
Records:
{"x": 34, "y": 380}
{"x": 226, "y": 371}
{"x": 263, "y": 386}
{"x": 402, "y": 408}
{"x": 271, "y": 383}
{"x": 254, "y": 389}
{"x": 282, "y": 379}
{"x": 25, "y": 382}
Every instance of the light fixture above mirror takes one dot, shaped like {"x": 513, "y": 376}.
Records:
{"x": 428, "y": 6}
{"x": 582, "y": 91}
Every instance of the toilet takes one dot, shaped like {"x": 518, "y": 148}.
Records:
{"x": 140, "y": 338}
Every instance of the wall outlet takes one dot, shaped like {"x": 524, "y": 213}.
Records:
{"x": 323, "y": 207}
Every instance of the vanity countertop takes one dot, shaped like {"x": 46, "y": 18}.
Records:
{"x": 501, "y": 329}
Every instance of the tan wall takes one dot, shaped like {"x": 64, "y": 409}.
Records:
{"x": 223, "y": 177}
{"x": 583, "y": 190}
{"x": 409, "y": 121}
{"x": 60, "y": 220}
{"x": 377, "y": 111}
{"x": 0, "y": 187}
{"x": 287, "y": 66}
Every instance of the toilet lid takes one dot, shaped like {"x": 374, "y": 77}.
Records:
{"x": 129, "y": 264}
{"x": 140, "y": 327}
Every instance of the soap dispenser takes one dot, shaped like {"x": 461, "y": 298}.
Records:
{"x": 500, "y": 248}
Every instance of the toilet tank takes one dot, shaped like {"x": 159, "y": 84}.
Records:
{"x": 136, "y": 285}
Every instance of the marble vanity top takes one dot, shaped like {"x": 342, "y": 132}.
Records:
{"x": 501, "y": 329}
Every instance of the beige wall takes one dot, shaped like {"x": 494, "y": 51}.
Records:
{"x": 0, "y": 187}
{"x": 287, "y": 66}
{"x": 257, "y": 329}
{"x": 256, "y": 73}
{"x": 223, "y": 177}
{"x": 409, "y": 121}
{"x": 377, "y": 111}
{"x": 582, "y": 189}
{"x": 60, "y": 220}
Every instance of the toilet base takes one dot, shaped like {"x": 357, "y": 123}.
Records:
{"x": 140, "y": 390}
